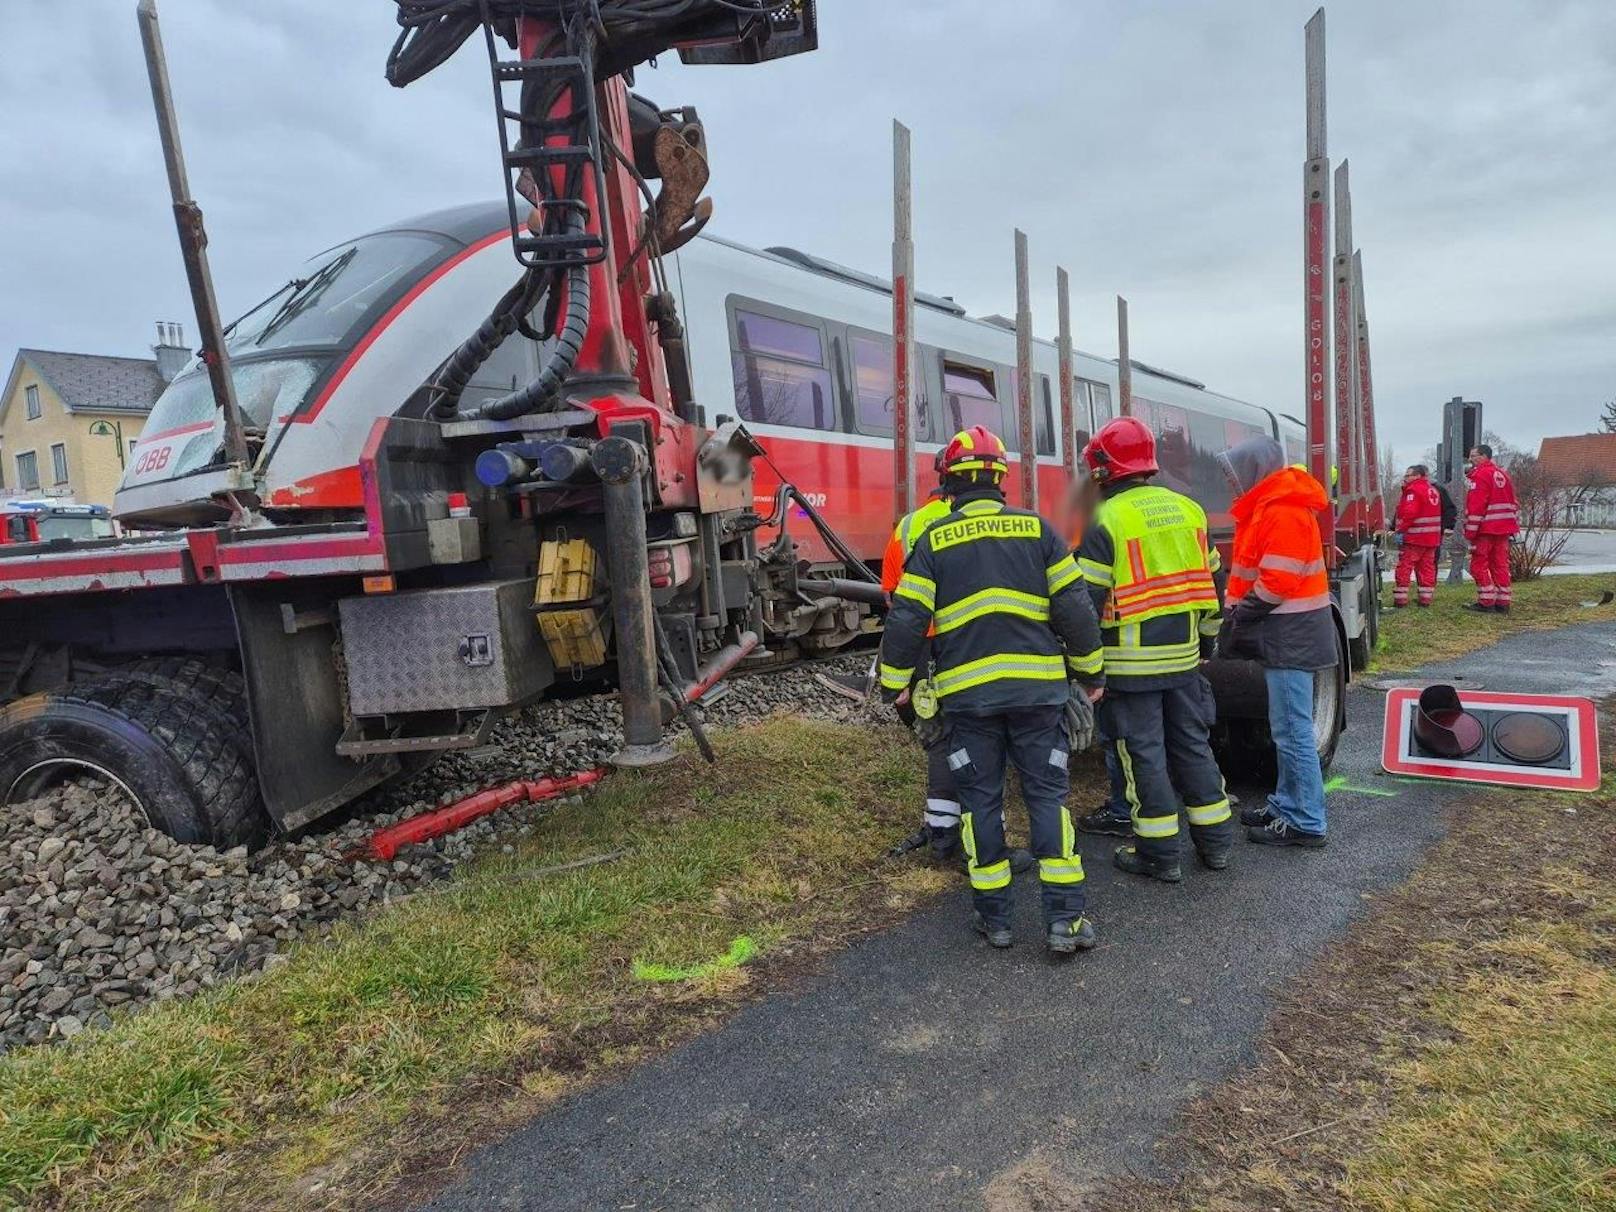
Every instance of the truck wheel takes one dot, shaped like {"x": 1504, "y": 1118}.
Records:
{"x": 169, "y": 751}
{"x": 1329, "y": 710}
{"x": 223, "y": 690}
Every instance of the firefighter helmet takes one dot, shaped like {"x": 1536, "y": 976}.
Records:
{"x": 1123, "y": 447}
{"x": 976, "y": 449}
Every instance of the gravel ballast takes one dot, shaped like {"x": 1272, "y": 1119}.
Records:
{"x": 99, "y": 913}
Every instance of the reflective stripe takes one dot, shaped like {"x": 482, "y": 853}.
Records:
{"x": 1088, "y": 663}
{"x": 942, "y": 814}
{"x": 1061, "y": 870}
{"x": 1243, "y": 571}
{"x": 919, "y": 588}
{"x": 1208, "y": 814}
{"x": 973, "y": 509}
{"x": 992, "y": 601}
{"x": 893, "y": 678}
{"x": 1210, "y": 624}
{"x": 1266, "y": 594}
{"x": 1156, "y": 658}
{"x": 959, "y": 760}
{"x": 1283, "y": 563}
{"x": 1203, "y": 593}
{"x": 1095, "y": 573}
{"x": 1057, "y": 758}
{"x": 1175, "y": 580}
{"x": 1002, "y": 665}
{"x": 1214, "y": 560}
{"x": 1303, "y": 605}
{"x": 983, "y": 879}
{"x": 1062, "y": 573}
{"x": 1155, "y": 827}
{"x": 990, "y": 878}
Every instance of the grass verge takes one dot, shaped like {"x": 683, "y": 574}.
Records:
{"x": 412, "y": 1034}
{"x": 1413, "y": 637}
{"x": 1456, "y": 1052}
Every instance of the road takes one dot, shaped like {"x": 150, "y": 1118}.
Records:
{"x": 921, "y": 1071}
{"x": 1589, "y": 551}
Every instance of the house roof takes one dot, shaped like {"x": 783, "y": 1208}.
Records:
{"x": 1584, "y": 458}
{"x": 95, "y": 382}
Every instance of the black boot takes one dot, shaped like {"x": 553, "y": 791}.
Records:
{"x": 1501, "y": 608}
{"x": 998, "y": 936}
{"x": 1067, "y": 937}
{"x": 1021, "y": 859}
{"x": 1103, "y": 821}
{"x": 1213, "y": 860}
{"x": 1131, "y": 860}
{"x": 943, "y": 841}
{"x": 1477, "y": 608}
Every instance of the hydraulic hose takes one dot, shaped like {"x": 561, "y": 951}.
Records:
{"x": 537, "y": 395}
{"x": 480, "y": 346}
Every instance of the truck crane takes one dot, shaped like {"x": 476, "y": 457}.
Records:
{"x": 278, "y": 645}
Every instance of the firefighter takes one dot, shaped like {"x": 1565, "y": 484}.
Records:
{"x": 1012, "y": 625}
{"x": 1418, "y": 525}
{"x": 1278, "y": 613}
{"x": 1149, "y": 571}
{"x": 1491, "y": 520}
{"x": 940, "y": 823}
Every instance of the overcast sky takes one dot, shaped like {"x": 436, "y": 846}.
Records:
{"x": 1154, "y": 147}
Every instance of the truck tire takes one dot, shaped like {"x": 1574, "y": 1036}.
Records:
{"x": 223, "y": 690}
{"x": 169, "y": 751}
{"x": 1248, "y": 746}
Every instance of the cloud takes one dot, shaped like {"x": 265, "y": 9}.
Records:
{"x": 1154, "y": 148}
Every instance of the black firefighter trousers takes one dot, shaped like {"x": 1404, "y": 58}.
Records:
{"x": 1034, "y": 738}
{"x": 1162, "y": 739}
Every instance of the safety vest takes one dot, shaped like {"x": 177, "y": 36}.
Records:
{"x": 1149, "y": 552}
{"x": 904, "y": 536}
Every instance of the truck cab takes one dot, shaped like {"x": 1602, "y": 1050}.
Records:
{"x": 45, "y": 521}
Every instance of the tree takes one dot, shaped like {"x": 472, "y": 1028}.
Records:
{"x": 1607, "y": 419}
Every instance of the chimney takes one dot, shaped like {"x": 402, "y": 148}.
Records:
{"x": 172, "y": 354}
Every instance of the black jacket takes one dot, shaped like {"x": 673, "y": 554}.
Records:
{"x": 1012, "y": 619}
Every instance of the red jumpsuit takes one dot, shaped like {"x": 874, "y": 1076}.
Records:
{"x": 1491, "y": 519}
{"x": 1419, "y": 521}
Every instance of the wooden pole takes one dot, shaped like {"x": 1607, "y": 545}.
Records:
{"x": 903, "y": 326}
{"x": 1024, "y": 425}
{"x": 1063, "y": 357}
{"x": 1124, "y": 362}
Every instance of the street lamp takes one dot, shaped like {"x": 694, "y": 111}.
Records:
{"x": 112, "y": 429}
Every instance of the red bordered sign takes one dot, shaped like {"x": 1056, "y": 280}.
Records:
{"x": 1400, "y": 755}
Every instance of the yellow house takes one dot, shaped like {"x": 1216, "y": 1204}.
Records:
{"x": 69, "y": 420}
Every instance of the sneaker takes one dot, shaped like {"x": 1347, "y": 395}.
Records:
{"x": 1067, "y": 937}
{"x": 1129, "y": 859}
{"x": 1213, "y": 860}
{"x": 1257, "y": 815}
{"x": 998, "y": 936}
{"x": 1103, "y": 820}
{"x": 1280, "y": 832}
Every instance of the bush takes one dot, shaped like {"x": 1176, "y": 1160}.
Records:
{"x": 1542, "y": 539}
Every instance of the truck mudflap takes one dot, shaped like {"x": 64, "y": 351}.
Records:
{"x": 295, "y": 702}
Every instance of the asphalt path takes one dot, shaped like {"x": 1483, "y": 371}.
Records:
{"x": 921, "y": 1070}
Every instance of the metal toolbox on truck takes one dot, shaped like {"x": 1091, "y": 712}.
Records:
{"x": 468, "y": 646}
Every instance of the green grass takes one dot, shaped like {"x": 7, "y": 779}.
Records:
{"x": 1412, "y": 637}
{"x": 528, "y": 983}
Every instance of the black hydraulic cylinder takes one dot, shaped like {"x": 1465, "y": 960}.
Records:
{"x": 621, "y": 465}
{"x": 853, "y": 591}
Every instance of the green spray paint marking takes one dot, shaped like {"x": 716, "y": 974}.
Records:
{"x": 1339, "y": 783}
{"x": 741, "y": 950}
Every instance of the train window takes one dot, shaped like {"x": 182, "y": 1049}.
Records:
{"x": 1043, "y": 418}
{"x": 1082, "y": 414}
{"x": 872, "y": 375}
{"x": 968, "y": 393}
{"x": 510, "y": 366}
{"x": 1100, "y": 395}
{"x": 780, "y": 375}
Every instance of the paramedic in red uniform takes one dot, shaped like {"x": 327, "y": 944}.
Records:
{"x": 1419, "y": 531}
{"x": 1491, "y": 520}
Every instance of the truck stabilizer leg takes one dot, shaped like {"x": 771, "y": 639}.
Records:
{"x": 382, "y": 845}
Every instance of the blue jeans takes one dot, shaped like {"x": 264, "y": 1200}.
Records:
{"x": 1299, "y": 794}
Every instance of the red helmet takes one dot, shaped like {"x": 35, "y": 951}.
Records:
{"x": 975, "y": 449}
{"x": 1124, "y": 447}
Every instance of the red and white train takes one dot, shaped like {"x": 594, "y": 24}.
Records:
{"x": 797, "y": 348}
